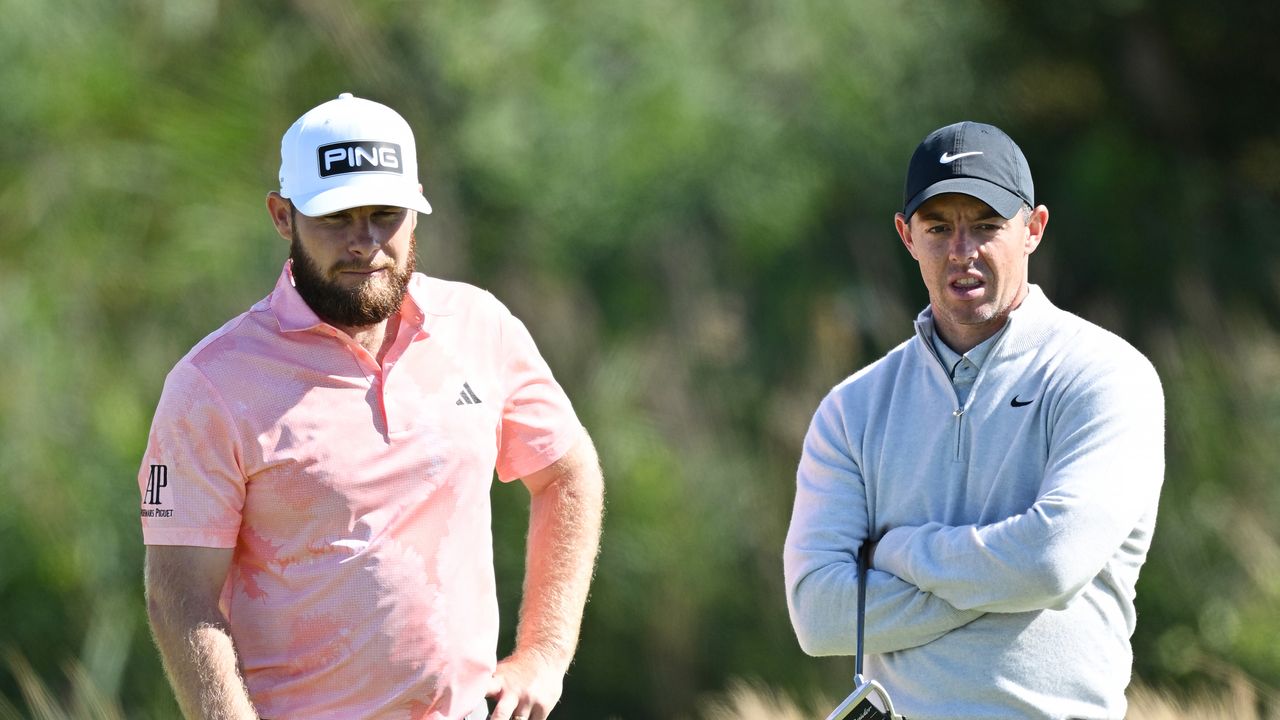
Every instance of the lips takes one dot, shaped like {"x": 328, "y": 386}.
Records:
{"x": 363, "y": 270}
{"x": 968, "y": 284}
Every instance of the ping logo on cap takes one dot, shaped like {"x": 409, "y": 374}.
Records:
{"x": 359, "y": 156}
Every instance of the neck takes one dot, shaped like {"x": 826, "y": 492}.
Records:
{"x": 377, "y": 338}
{"x": 963, "y": 338}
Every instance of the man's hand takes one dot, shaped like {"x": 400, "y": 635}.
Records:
{"x": 526, "y": 687}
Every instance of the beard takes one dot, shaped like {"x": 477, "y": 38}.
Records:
{"x": 368, "y": 303}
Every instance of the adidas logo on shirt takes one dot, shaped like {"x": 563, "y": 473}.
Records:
{"x": 467, "y": 396}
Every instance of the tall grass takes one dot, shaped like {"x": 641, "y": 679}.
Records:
{"x": 1236, "y": 698}
{"x": 86, "y": 701}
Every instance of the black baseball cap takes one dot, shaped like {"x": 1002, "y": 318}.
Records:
{"x": 970, "y": 158}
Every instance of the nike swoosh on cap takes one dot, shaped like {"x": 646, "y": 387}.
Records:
{"x": 948, "y": 158}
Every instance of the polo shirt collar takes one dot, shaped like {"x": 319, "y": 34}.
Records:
{"x": 977, "y": 355}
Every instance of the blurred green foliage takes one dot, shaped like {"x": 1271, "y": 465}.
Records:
{"x": 691, "y": 206}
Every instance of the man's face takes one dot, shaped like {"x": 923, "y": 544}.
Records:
{"x": 974, "y": 263}
{"x": 353, "y": 267}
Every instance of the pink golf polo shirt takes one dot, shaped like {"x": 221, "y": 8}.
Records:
{"x": 356, "y": 496}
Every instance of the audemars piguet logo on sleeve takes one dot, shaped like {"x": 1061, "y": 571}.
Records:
{"x": 359, "y": 156}
{"x": 157, "y": 481}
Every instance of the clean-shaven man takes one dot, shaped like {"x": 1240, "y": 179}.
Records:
{"x": 1005, "y": 463}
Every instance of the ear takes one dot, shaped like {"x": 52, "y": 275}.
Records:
{"x": 904, "y": 232}
{"x": 281, "y": 214}
{"x": 1035, "y": 228}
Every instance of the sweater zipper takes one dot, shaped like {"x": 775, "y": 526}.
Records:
{"x": 958, "y": 413}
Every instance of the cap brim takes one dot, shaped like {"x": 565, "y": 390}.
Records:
{"x": 346, "y": 197}
{"x": 1001, "y": 200}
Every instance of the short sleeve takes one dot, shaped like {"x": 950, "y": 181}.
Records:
{"x": 538, "y": 422}
{"x": 191, "y": 481}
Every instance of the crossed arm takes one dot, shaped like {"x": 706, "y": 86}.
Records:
{"x": 1096, "y": 503}
{"x": 828, "y": 527}
{"x": 1097, "y": 499}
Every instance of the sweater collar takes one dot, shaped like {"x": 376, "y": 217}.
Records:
{"x": 1024, "y": 328}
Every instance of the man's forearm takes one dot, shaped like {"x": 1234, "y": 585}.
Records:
{"x": 823, "y": 608}
{"x": 564, "y": 536}
{"x": 200, "y": 661}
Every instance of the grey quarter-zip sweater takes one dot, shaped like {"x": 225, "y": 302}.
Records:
{"x": 1011, "y": 526}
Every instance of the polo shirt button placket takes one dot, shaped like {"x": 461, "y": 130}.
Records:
{"x": 379, "y": 384}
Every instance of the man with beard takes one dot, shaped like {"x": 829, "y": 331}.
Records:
{"x": 1004, "y": 466}
{"x": 315, "y": 490}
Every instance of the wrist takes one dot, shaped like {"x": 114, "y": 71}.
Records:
{"x": 547, "y": 655}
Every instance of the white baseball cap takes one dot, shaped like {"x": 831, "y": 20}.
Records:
{"x": 347, "y": 153}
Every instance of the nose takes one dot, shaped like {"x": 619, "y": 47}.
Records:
{"x": 364, "y": 239}
{"x": 964, "y": 246}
